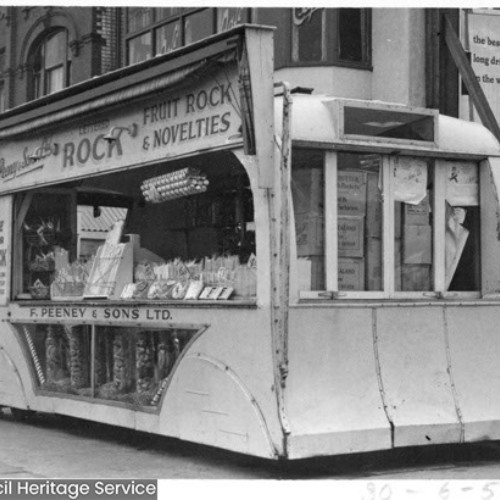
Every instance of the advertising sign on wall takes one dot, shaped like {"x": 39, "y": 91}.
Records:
{"x": 484, "y": 45}
{"x": 167, "y": 125}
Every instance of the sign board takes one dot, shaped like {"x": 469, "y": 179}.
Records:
{"x": 93, "y": 314}
{"x": 169, "y": 124}
{"x": 462, "y": 184}
{"x": 202, "y": 112}
{"x": 484, "y": 45}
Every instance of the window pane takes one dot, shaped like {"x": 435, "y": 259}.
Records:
{"x": 206, "y": 238}
{"x": 166, "y": 12}
{"x": 462, "y": 227}
{"x": 359, "y": 205}
{"x": 2, "y": 98}
{"x": 55, "y": 50}
{"x": 308, "y": 202}
{"x": 47, "y": 235}
{"x": 308, "y": 36}
{"x": 55, "y": 80}
{"x": 139, "y": 49}
{"x": 50, "y": 65}
{"x": 198, "y": 26}
{"x": 139, "y": 18}
{"x": 388, "y": 123}
{"x": 230, "y": 17}
{"x": 413, "y": 219}
{"x": 168, "y": 37}
{"x": 37, "y": 85}
{"x": 130, "y": 365}
{"x": 350, "y": 34}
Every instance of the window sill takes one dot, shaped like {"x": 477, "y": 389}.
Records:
{"x": 244, "y": 302}
{"x": 320, "y": 64}
{"x": 459, "y": 299}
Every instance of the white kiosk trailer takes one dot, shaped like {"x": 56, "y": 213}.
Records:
{"x": 284, "y": 275}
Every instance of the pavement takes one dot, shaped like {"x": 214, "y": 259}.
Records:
{"x": 49, "y": 446}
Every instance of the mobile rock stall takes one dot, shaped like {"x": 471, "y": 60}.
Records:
{"x": 185, "y": 253}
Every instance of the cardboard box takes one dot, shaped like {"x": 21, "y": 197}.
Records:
{"x": 318, "y": 281}
{"x": 310, "y": 235}
{"x": 308, "y": 190}
{"x": 351, "y": 274}
{"x": 351, "y": 193}
{"x": 350, "y": 236}
{"x": 417, "y": 244}
{"x": 304, "y": 269}
{"x": 415, "y": 278}
{"x": 374, "y": 265}
{"x": 397, "y": 264}
{"x": 398, "y": 208}
{"x": 374, "y": 207}
{"x": 417, "y": 214}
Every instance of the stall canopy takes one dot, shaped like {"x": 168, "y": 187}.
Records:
{"x": 197, "y": 98}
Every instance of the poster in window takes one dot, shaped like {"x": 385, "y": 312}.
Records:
{"x": 455, "y": 239}
{"x": 410, "y": 180}
{"x": 462, "y": 184}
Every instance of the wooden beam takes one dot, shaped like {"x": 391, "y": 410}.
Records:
{"x": 469, "y": 77}
{"x": 432, "y": 58}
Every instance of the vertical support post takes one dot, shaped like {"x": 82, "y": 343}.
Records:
{"x": 280, "y": 261}
{"x": 92, "y": 360}
{"x": 260, "y": 60}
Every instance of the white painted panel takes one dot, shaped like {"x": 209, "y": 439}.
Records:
{"x": 332, "y": 398}
{"x": 11, "y": 389}
{"x": 208, "y": 403}
{"x": 413, "y": 365}
{"x": 474, "y": 348}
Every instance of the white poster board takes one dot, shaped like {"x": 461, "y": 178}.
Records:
{"x": 462, "y": 184}
{"x": 410, "y": 180}
{"x": 484, "y": 45}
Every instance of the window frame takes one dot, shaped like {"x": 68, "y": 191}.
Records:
{"x": 41, "y": 78}
{"x": 3, "y": 96}
{"x": 387, "y": 107}
{"x": 331, "y": 39}
{"x": 388, "y": 292}
{"x": 158, "y": 21}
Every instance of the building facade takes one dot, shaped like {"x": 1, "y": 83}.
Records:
{"x": 374, "y": 54}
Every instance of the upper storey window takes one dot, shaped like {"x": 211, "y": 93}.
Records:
{"x": 155, "y": 31}
{"x": 50, "y": 64}
{"x": 329, "y": 36}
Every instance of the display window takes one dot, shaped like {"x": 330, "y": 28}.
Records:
{"x": 309, "y": 204}
{"x": 124, "y": 365}
{"x": 178, "y": 231}
{"x": 384, "y": 226}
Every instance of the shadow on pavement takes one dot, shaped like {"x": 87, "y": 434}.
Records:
{"x": 354, "y": 466}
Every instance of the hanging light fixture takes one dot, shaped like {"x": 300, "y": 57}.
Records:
{"x": 115, "y": 132}
{"x": 178, "y": 184}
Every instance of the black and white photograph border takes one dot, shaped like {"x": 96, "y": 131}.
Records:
{"x": 334, "y": 168}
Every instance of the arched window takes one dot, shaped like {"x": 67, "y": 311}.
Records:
{"x": 50, "y": 64}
